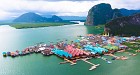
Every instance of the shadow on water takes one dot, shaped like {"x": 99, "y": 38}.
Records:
{"x": 94, "y": 29}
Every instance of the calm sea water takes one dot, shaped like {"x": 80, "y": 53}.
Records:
{"x": 36, "y": 64}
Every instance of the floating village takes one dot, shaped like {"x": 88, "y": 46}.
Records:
{"x": 84, "y": 49}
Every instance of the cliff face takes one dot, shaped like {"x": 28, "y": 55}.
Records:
{"x": 89, "y": 20}
{"x": 101, "y": 14}
{"x": 128, "y": 26}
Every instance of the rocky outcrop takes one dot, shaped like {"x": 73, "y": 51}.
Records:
{"x": 124, "y": 26}
{"x": 101, "y": 14}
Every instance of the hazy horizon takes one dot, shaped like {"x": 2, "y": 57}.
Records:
{"x": 13, "y": 8}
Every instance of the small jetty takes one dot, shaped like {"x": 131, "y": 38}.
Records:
{"x": 72, "y": 63}
{"x": 112, "y": 55}
{"x": 83, "y": 48}
{"x": 117, "y": 57}
{"x": 93, "y": 65}
{"x": 63, "y": 62}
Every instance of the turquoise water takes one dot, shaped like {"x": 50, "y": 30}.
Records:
{"x": 36, "y": 64}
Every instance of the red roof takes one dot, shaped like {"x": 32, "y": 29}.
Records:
{"x": 75, "y": 51}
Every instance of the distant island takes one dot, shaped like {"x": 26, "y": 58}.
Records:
{"x": 31, "y": 17}
{"x": 33, "y": 20}
{"x": 37, "y": 25}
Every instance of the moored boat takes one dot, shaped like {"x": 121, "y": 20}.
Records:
{"x": 4, "y": 54}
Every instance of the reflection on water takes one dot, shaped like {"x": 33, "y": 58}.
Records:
{"x": 13, "y": 39}
{"x": 5, "y": 28}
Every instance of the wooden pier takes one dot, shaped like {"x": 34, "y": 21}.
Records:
{"x": 112, "y": 55}
{"x": 72, "y": 63}
{"x": 93, "y": 65}
{"x": 63, "y": 62}
{"x": 118, "y": 58}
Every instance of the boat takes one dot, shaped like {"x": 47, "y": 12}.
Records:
{"x": 8, "y": 53}
{"x": 13, "y": 54}
{"x": 109, "y": 62}
{"x": 4, "y": 54}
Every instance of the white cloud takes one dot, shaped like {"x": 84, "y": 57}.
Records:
{"x": 12, "y": 8}
{"x": 128, "y": 4}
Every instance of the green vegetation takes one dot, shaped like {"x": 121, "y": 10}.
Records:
{"x": 127, "y": 30}
{"x": 37, "y": 25}
{"x": 125, "y": 26}
{"x": 96, "y": 29}
{"x": 133, "y": 46}
{"x": 111, "y": 47}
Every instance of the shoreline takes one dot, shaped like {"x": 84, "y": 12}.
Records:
{"x": 39, "y": 25}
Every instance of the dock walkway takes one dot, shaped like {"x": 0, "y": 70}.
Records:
{"x": 117, "y": 57}
{"x": 93, "y": 65}
{"x": 72, "y": 63}
{"x": 112, "y": 55}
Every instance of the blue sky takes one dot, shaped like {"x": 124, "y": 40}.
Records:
{"x": 14, "y": 8}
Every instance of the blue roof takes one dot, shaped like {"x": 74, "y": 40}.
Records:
{"x": 61, "y": 53}
{"x": 95, "y": 49}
